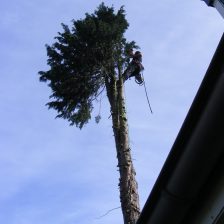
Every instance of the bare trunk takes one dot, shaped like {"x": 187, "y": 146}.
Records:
{"x": 127, "y": 183}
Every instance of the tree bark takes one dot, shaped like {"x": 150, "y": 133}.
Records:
{"x": 128, "y": 186}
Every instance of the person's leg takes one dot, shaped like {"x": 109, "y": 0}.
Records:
{"x": 129, "y": 72}
{"x": 125, "y": 75}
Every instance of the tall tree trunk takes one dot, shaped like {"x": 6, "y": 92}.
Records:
{"x": 128, "y": 186}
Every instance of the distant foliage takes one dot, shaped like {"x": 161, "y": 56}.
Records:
{"x": 80, "y": 60}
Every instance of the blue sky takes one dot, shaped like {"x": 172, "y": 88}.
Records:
{"x": 53, "y": 173}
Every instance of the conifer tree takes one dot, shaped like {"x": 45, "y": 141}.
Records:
{"x": 85, "y": 60}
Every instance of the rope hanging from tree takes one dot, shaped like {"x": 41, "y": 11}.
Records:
{"x": 146, "y": 93}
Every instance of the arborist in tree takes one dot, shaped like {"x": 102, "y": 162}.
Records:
{"x": 135, "y": 67}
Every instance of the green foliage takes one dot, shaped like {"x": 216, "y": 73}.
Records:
{"x": 80, "y": 60}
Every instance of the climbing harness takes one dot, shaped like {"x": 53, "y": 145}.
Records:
{"x": 139, "y": 80}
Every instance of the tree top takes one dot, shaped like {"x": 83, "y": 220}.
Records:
{"x": 80, "y": 60}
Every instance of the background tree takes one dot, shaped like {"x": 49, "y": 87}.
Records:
{"x": 85, "y": 60}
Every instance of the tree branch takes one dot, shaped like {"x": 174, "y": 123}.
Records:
{"x": 108, "y": 212}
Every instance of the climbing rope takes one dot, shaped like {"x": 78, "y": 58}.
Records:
{"x": 139, "y": 82}
{"x": 146, "y": 93}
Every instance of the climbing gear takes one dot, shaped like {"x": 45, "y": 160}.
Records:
{"x": 133, "y": 69}
{"x": 139, "y": 79}
{"x": 146, "y": 94}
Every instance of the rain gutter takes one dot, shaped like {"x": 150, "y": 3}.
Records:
{"x": 196, "y": 151}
